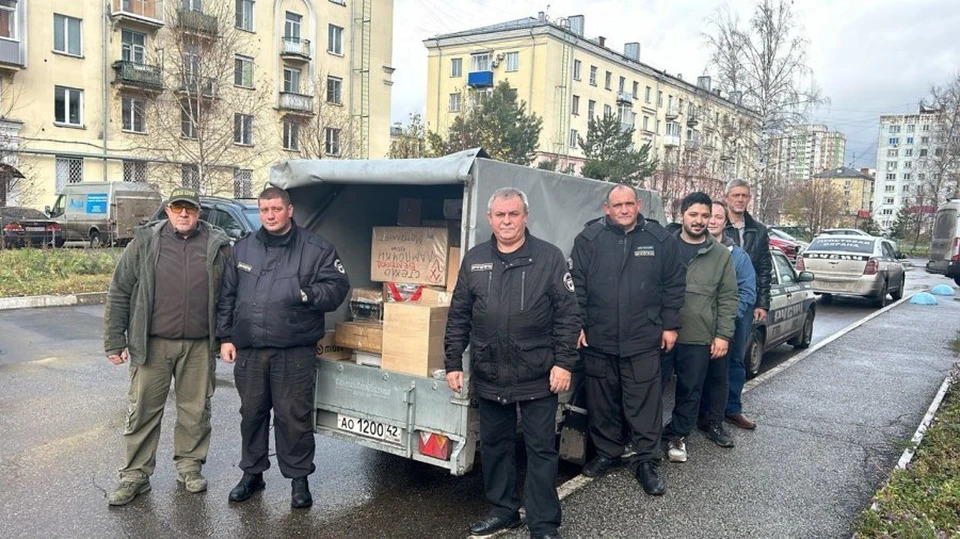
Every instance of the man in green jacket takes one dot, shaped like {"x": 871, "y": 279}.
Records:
{"x": 161, "y": 318}
{"x": 707, "y": 324}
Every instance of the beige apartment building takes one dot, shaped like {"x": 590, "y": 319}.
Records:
{"x": 699, "y": 135}
{"x": 206, "y": 93}
{"x": 857, "y": 190}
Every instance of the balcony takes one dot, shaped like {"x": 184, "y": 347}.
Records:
{"x": 480, "y": 79}
{"x": 672, "y": 113}
{"x": 671, "y": 141}
{"x": 626, "y": 127}
{"x": 12, "y": 55}
{"x": 692, "y": 120}
{"x": 692, "y": 145}
{"x": 296, "y": 103}
{"x": 197, "y": 22}
{"x": 295, "y": 49}
{"x": 137, "y": 75}
{"x": 199, "y": 88}
{"x": 147, "y": 13}
{"x": 625, "y": 98}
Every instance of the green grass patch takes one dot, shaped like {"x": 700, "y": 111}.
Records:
{"x": 34, "y": 272}
{"x": 924, "y": 499}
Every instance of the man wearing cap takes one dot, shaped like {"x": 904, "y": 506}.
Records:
{"x": 161, "y": 318}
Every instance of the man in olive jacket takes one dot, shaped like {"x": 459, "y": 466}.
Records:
{"x": 707, "y": 319}
{"x": 514, "y": 304}
{"x": 161, "y": 317}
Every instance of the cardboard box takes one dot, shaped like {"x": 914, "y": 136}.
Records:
{"x": 409, "y": 255}
{"x": 366, "y": 304}
{"x": 453, "y": 228}
{"x": 433, "y": 296}
{"x": 453, "y": 268}
{"x": 402, "y": 292}
{"x": 409, "y": 212}
{"x": 413, "y": 337}
{"x": 328, "y": 349}
{"x": 365, "y": 336}
{"x": 366, "y": 358}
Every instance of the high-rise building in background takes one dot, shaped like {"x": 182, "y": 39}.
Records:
{"x": 806, "y": 150}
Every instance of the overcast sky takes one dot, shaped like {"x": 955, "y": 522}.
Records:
{"x": 868, "y": 56}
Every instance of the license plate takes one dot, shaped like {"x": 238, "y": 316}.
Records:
{"x": 832, "y": 285}
{"x": 35, "y": 229}
{"x": 370, "y": 429}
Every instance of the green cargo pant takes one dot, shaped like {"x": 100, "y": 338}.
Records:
{"x": 190, "y": 364}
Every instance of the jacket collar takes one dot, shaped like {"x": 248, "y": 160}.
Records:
{"x": 617, "y": 229}
{"x": 269, "y": 239}
{"x": 706, "y": 246}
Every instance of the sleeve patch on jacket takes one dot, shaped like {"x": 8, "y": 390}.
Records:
{"x": 339, "y": 265}
{"x": 568, "y": 281}
{"x": 243, "y": 266}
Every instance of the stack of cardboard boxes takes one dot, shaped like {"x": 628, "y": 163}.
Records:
{"x": 399, "y": 327}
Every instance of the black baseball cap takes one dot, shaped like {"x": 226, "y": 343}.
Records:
{"x": 184, "y": 194}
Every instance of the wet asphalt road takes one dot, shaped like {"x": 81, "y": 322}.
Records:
{"x": 62, "y": 408}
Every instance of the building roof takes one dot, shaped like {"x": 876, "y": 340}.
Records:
{"x": 518, "y": 24}
{"x": 842, "y": 172}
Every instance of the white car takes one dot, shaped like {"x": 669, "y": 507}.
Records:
{"x": 844, "y": 232}
{"x": 855, "y": 266}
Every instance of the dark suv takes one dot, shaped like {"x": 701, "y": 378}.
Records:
{"x": 237, "y": 218}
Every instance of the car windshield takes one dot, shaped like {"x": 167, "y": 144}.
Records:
{"x": 782, "y": 235}
{"x": 253, "y": 216}
{"x": 843, "y": 244}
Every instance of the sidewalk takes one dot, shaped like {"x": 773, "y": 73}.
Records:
{"x": 831, "y": 427}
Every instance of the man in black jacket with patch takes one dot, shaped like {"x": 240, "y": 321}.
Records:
{"x": 752, "y": 237}
{"x": 514, "y": 304}
{"x": 276, "y": 289}
{"x": 630, "y": 283}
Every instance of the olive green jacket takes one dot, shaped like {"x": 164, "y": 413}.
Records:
{"x": 126, "y": 320}
{"x": 710, "y": 303}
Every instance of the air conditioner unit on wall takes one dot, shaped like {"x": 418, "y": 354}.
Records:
{"x": 495, "y": 63}
{"x": 500, "y": 56}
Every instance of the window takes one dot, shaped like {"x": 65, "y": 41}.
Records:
{"x": 921, "y": 176}
{"x": 674, "y": 129}
{"x": 669, "y": 102}
{"x": 907, "y": 176}
{"x": 334, "y": 90}
{"x": 456, "y": 67}
{"x": 454, "y": 103}
{"x": 513, "y": 61}
{"x": 135, "y": 171}
{"x": 242, "y": 183}
{"x": 188, "y": 121}
{"x": 192, "y": 5}
{"x": 894, "y": 128}
{"x": 573, "y": 138}
{"x": 291, "y": 80}
{"x": 636, "y": 89}
{"x": 910, "y": 128}
{"x": 659, "y": 99}
{"x": 68, "y": 170}
{"x": 886, "y": 211}
{"x": 607, "y": 80}
{"x": 134, "y": 115}
{"x": 888, "y": 200}
{"x": 892, "y": 176}
{"x": 925, "y": 140}
{"x": 243, "y": 129}
{"x": 891, "y": 165}
{"x": 68, "y": 106}
{"x": 291, "y": 134}
{"x": 576, "y": 69}
{"x": 908, "y": 152}
{"x": 591, "y": 109}
{"x": 646, "y": 123}
{"x": 480, "y": 62}
{"x": 622, "y": 85}
{"x": 335, "y": 40}
{"x": 245, "y": 15}
{"x": 575, "y": 106}
{"x": 909, "y": 140}
{"x": 133, "y": 46}
{"x": 190, "y": 176}
{"x": 332, "y": 138}
{"x": 658, "y": 126}
{"x": 889, "y": 188}
{"x": 607, "y": 110}
{"x": 646, "y": 94}
{"x": 593, "y": 75}
{"x": 923, "y": 152}
{"x": 291, "y": 26}
{"x": 906, "y": 189}
{"x": 243, "y": 71}
{"x": 8, "y": 19}
{"x": 892, "y": 153}
{"x": 66, "y": 35}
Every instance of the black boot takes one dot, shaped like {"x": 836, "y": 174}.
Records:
{"x": 250, "y": 483}
{"x": 300, "y": 494}
{"x": 491, "y": 524}
{"x": 649, "y": 478}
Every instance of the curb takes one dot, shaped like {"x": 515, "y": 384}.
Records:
{"x": 31, "y": 302}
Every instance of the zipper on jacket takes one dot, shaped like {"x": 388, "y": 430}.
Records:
{"x": 523, "y": 288}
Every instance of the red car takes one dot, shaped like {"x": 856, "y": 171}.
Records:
{"x": 789, "y": 248}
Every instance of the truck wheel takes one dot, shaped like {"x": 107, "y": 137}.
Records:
{"x": 94, "y": 239}
{"x": 754, "y": 354}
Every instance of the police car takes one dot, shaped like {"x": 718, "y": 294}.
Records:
{"x": 790, "y": 319}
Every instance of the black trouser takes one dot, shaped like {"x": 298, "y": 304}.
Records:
{"x": 690, "y": 363}
{"x": 624, "y": 389}
{"x": 282, "y": 379}
{"x": 498, "y": 427}
{"x": 716, "y": 389}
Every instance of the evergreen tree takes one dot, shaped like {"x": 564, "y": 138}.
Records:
{"x": 610, "y": 154}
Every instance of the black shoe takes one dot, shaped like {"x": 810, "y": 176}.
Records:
{"x": 554, "y": 535}
{"x": 491, "y": 524}
{"x": 649, "y": 478}
{"x": 300, "y": 497}
{"x": 599, "y": 466}
{"x": 250, "y": 483}
{"x": 718, "y": 435}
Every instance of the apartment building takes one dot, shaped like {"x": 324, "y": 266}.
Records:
{"x": 857, "y": 190}
{"x": 807, "y": 150}
{"x": 206, "y": 93}
{"x": 909, "y": 149}
{"x": 699, "y": 135}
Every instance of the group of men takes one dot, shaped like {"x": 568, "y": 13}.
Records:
{"x": 179, "y": 290}
{"x": 636, "y": 303}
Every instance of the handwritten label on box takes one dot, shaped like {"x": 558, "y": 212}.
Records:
{"x": 409, "y": 255}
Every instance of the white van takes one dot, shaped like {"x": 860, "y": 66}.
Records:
{"x": 945, "y": 244}
{"x": 103, "y": 213}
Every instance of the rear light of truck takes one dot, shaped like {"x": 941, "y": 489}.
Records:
{"x": 955, "y": 255}
{"x": 433, "y": 445}
{"x": 872, "y": 266}
{"x": 799, "y": 265}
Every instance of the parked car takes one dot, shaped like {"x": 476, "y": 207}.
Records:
{"x": 793, "y": 307}
{"x": 843, "y": 232}
{"x": 863, "y": 266}
{"x": 23, "y": 227}
{"x": 790, "y": 248}
{"x": 782, "y": 235}
{"x": 945, "y": 243}
{"x": 237, "y": 217}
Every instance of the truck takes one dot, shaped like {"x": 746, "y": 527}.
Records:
{"x": 103, "y": 213}
{"x": 402, "y": 414}
{"x": 945, "y": 242}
